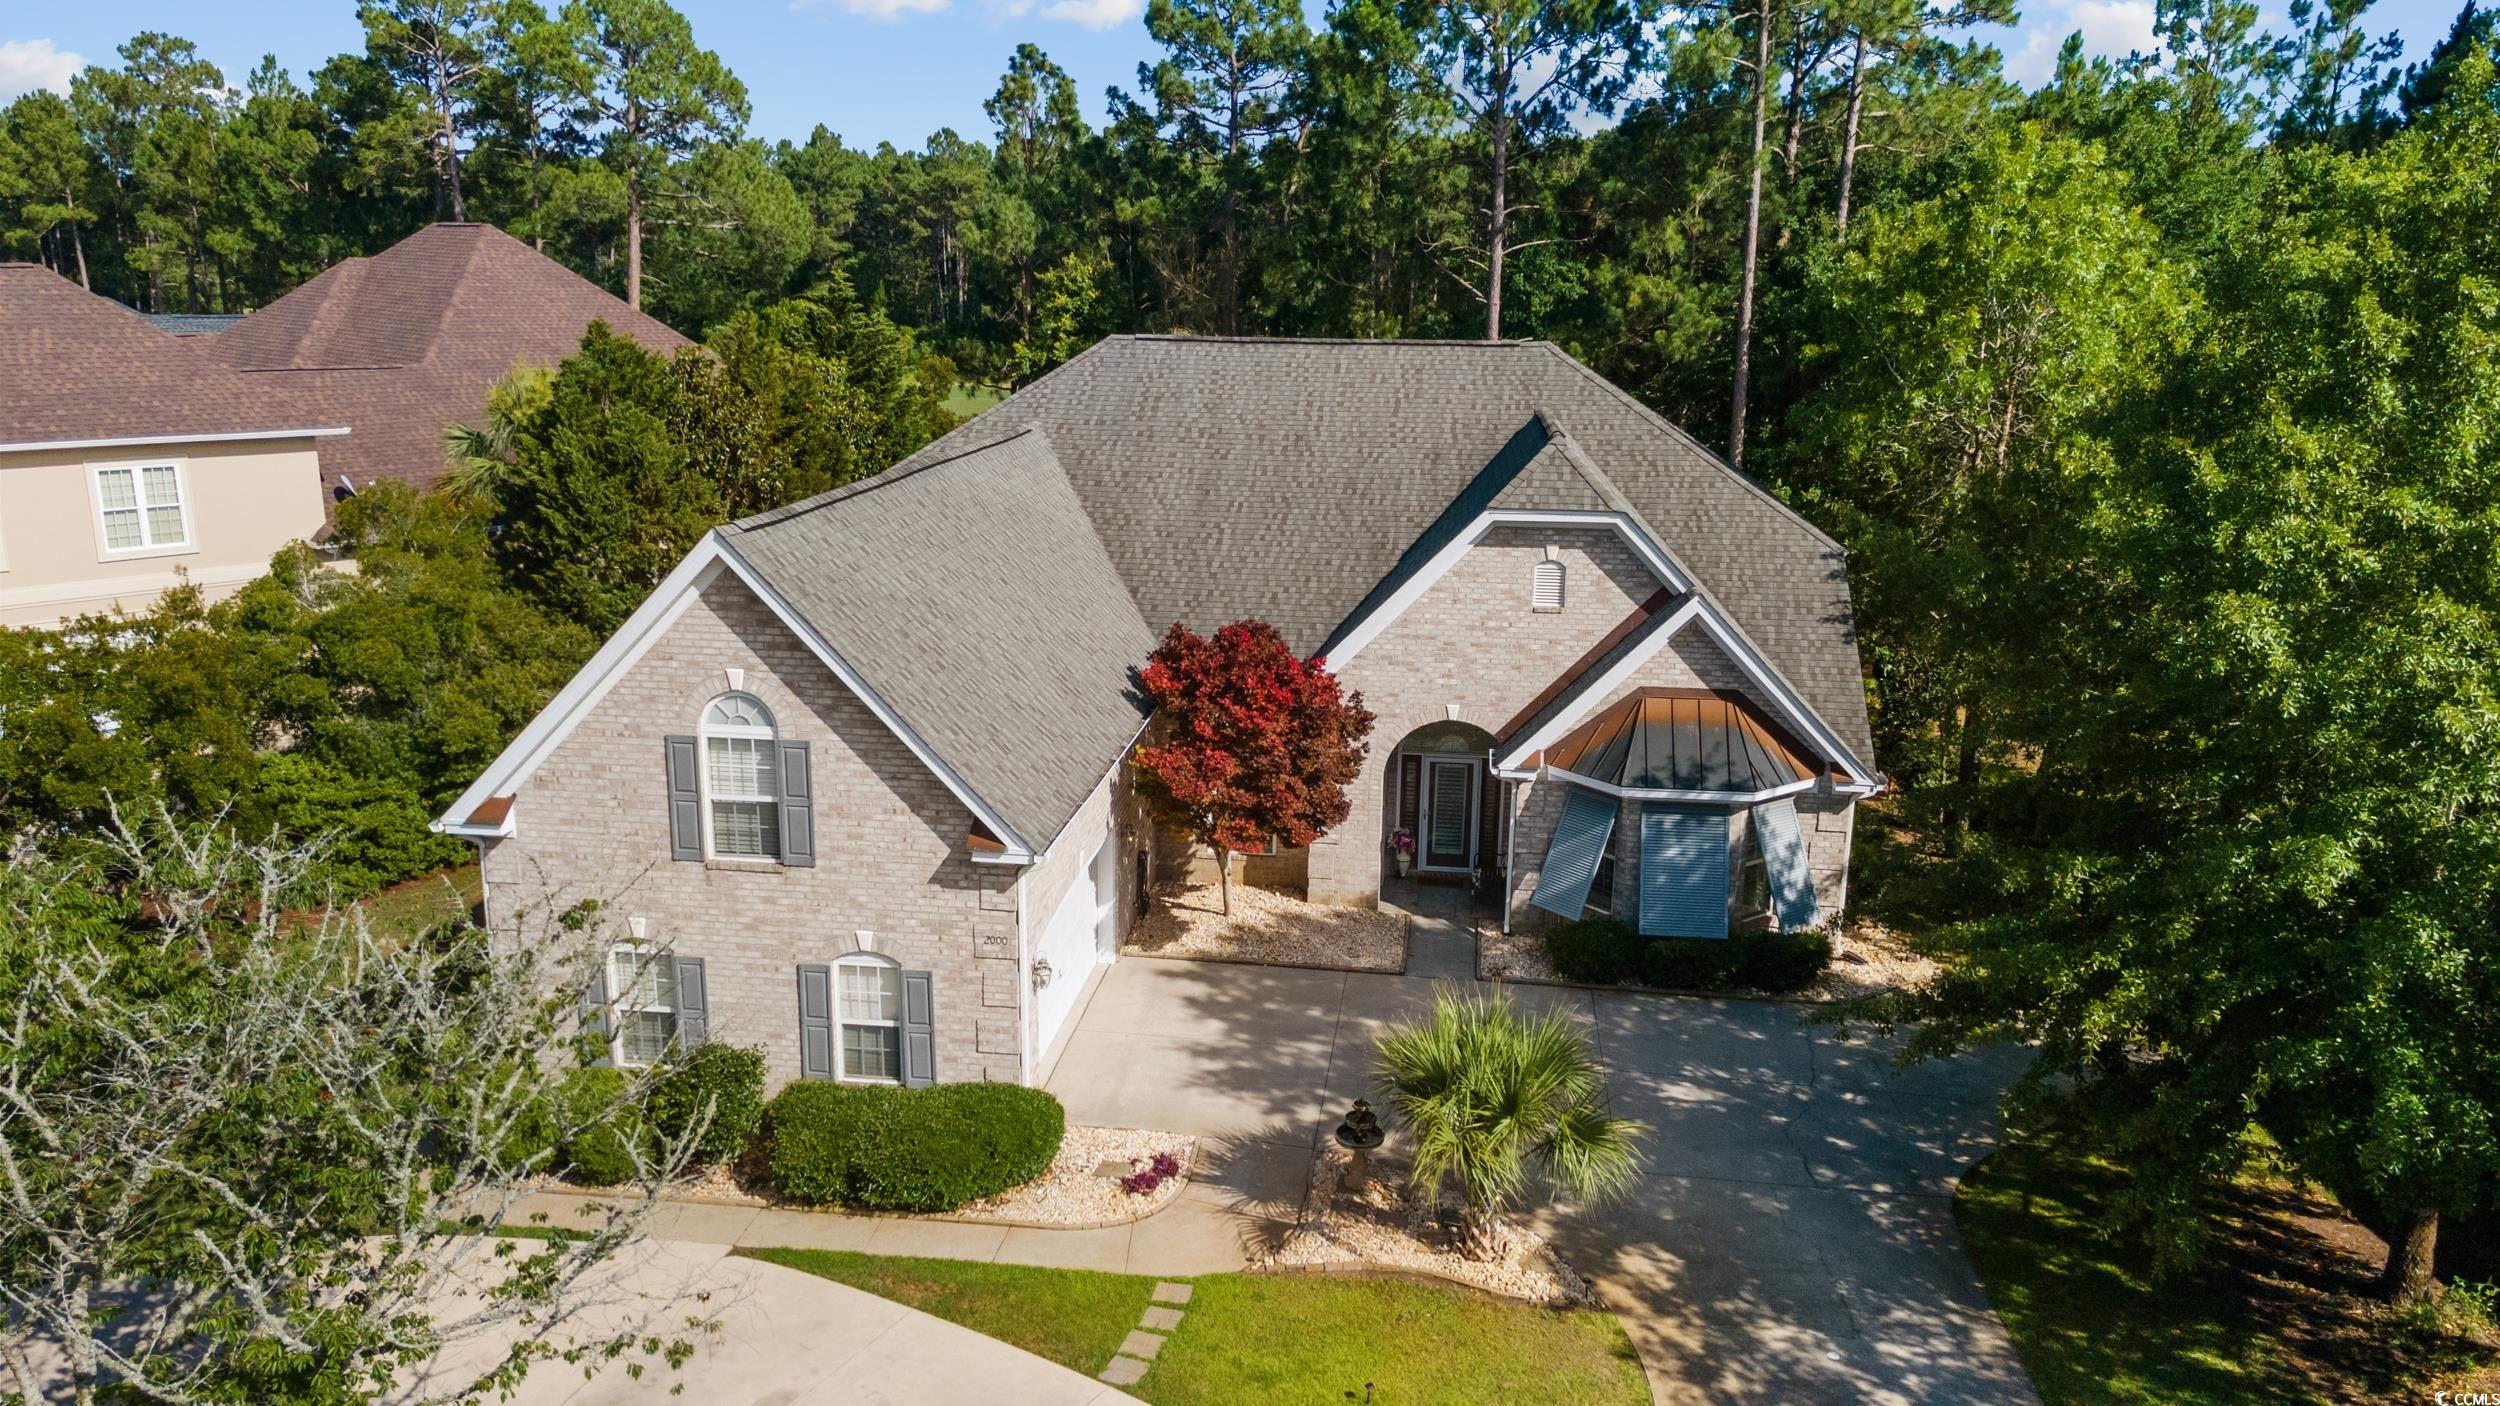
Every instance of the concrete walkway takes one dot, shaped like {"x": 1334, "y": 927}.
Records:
{"x": 784, "y": 1339}
{"x": 1236, "y": 1201}
{"x": 1793, "y": 1240}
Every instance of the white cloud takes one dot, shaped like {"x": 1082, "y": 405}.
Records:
{"x": 876, "y": 9}
{"x": 1095, "y": 14}
{"x": 28, "y": 64}
{"x": 2109, "y": 27}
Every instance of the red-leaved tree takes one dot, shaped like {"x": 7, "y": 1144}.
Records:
{"x": 1253, "y": 741}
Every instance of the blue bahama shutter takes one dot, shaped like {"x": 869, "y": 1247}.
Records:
{"x": 1783, "y": 843}
{"x": 1588, "y": 821}
{"x": 1683, "y": 872}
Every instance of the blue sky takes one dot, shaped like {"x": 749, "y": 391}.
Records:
{"x": 889, "y": 70}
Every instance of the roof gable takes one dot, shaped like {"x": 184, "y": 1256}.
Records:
{"x": 407, "y": 342}
{"x": 108, "y": 374}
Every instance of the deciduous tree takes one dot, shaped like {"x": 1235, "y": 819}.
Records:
{"x": 1253, "y": 743}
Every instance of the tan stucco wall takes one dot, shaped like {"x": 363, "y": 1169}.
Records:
{"x": 244, "y": 501}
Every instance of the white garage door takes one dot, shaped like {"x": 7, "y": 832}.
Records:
{"x": 1077, "y": 939}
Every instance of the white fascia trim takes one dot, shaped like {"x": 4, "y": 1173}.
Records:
{"x": 555, "y": 722}
{"x": 1110, "y": 824}
{"x": 141, "y": 441}
{"x": 1019, "y": 851}
{"x": 1697, "y": 608}
{"x": 666, "y": 603}
{"x": 1386, "y": 614}
{"x": 466, "y": 831}
{"x": 1634, "y": 793}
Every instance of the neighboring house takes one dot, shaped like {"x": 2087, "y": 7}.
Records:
{"x": 405, "y": 343}
{"x": 138, "y": 451}
{"x": 858, "y": 764}
{"x": 128, "y": 462}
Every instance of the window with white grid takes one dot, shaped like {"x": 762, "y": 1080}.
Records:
{"x": 741, "y": 779}
{"x": 141, "y": 506}
{"x": 1545, "y": 585}
{"x": 642, "y": 996}
{"x": 869, "y": 1008}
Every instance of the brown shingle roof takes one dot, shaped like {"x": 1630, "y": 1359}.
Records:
{"x": 75, "y": 367}
{"x": 407, "y": 342}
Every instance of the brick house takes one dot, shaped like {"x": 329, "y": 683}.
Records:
{"x": 858, "y": 765}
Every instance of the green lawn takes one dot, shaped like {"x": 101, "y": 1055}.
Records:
{"x": 2279, "y": 1310}
{"x": 1272, "y": 1338}
{"x": 968, "y": 398}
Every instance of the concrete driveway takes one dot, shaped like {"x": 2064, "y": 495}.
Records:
{"x": 1793, "y": 1241}
{"x": 772, "y": 1337}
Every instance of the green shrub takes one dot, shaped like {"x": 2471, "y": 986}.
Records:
{"x": 1688, "y": 963}
{"x": 727, "y": 1078}
{"x": 601, "y": 1153}
{"x": 1781, "y": 961}
{"x": 1600, "y": 951}
{"x": 882, "y": 1148}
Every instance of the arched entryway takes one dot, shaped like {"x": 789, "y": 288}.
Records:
{"x": 1440, "y": 793}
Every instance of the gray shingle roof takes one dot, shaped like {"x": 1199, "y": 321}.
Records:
{"x": 1223, "y": 478}
{"x": 973, "y": 595}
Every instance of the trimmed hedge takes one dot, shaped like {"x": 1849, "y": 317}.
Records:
{"x": 1599, "y": 951}
{"x": 889, "y": 1149}
{"x": 603, "y": 1154}
{"x": 728, "y": 1077}
{"x": 1603, "y": 952}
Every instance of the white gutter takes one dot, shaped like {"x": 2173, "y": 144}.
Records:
{"x": 29, "y": 445}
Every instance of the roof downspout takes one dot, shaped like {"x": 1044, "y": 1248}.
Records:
{"x": 1510, "y": 846}
{"x": 1026, "y": 1073}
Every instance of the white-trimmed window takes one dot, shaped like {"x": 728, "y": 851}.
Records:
{"x": 741, "y": 779}
{"x": 139, "y": 507}
{"x": 1601, "y": 899}
{"x": 1545, "y": 585}
{"x": 642, "y": 999}
{"x": 868, "y": 1020}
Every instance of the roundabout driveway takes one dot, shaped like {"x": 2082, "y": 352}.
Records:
{"x": 1792, "y": 1241}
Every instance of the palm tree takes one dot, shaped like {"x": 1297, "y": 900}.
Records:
{"x": 1485, "y": 1092}
{"x": 482, "y": 456}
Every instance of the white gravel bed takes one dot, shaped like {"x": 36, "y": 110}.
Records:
{"x": 1070, "y": 1196}
{"x": 1383, "y": 1227}
{"x": 1269, "y": 926}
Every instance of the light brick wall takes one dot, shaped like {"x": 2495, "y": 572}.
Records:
{"x": 1690, "y": 660}
{"x": 891, "y": 859}
{"x": 1472, "y": 640}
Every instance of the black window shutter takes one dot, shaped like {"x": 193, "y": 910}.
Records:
{"x": 798, "y": 820}
{"x": 919, "y": 1032}
{"x": 685, "y": 801}
{"x": 816, "y": 1022}
{"x": 694, "y": 1013}
{"x": 1410, "y": 794}
{"x": 595, "y": 1011}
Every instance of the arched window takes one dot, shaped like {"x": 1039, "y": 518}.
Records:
{"x": 1545, "y": 585}
{"x": 868, "y": 1006}
{"x": 741, "y": 779}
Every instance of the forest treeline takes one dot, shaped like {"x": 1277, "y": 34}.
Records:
{"x": 2155, "y": 405}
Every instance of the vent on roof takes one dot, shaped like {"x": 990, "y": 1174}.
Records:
{"x": 1545, "y": 585}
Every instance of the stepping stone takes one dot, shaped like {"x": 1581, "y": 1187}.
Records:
{"x": 1142, "y": 1344}
{"x": 1171, "y": 1293}
{"x": 1112, "y": 1170}
{"x": 1162, "y": 1320}
{"x": 1123, "y": 1371}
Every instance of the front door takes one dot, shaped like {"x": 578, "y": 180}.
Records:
{"x": 1449, "y": 807}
